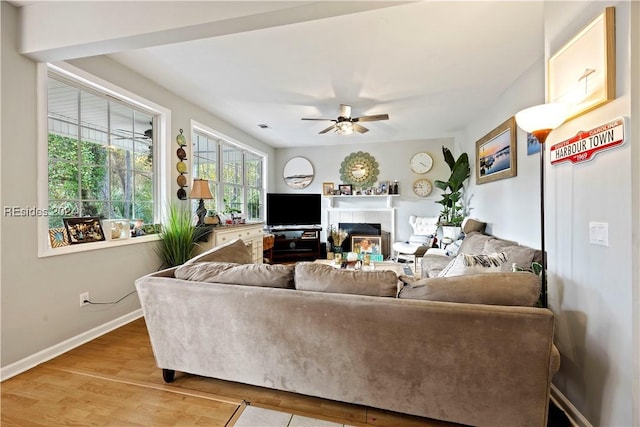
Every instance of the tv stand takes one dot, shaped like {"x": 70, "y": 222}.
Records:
{"x": 296, "y": 242}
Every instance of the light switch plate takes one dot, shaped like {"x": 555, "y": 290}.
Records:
{"x": 599, "y": 233}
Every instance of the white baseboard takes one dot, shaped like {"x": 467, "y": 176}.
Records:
{"x": 54, "y": 351}
{"x": 576, "y": 418}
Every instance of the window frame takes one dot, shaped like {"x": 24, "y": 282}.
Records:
{"x": 161, "y": 169}
{"x": 222, "y": 139}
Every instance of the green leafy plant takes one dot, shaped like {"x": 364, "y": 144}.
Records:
{"x": 178, "y": 236}
{"x": 452, "y": 212}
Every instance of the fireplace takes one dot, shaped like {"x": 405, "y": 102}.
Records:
{"x": 378, "y": 222}
{"x": 364, "y": 229}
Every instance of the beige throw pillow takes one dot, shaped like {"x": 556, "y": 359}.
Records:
{"x": 310, "y": 276}
{"x": 464, "y": 264}
{"x": 522, "y": 256}
{"x": 519, "y": 288}
{"x": 235, "y": 251}
{"x": 272, "y": 276}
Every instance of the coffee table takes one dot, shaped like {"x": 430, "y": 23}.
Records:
{"x": 397, "y": 267}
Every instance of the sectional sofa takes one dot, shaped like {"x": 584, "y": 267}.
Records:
{"x": 367, "y": 338}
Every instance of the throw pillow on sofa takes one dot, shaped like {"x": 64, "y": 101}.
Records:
{"x": 464, "y": 264}
{"x": 266, "y": 275}
{"x": 519, "y": 288}
{"x": 522, "y": 256}
{"x": 310, "y": 276}
{"x": 234, "y": 251}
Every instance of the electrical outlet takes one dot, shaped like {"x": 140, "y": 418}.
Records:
{"x": 84, "y": 297}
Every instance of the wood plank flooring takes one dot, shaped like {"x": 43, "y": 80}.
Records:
{"x": 113, "y": 381}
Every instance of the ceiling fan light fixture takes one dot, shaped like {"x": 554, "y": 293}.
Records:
{"x": 344, "y": 128}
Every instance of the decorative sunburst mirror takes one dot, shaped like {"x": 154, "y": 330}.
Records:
{"x": 359, "y": 169}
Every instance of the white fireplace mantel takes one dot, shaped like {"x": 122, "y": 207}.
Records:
{"x": 388, "y": 197}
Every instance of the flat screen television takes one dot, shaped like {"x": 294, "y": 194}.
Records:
{"x": 294, "y": 209}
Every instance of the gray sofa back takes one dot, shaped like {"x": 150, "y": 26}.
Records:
{"x": 471, "y": 364}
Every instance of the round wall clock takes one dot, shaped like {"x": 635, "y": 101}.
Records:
{"x": 421, "y": 162}
{"x": 422, "y": 187}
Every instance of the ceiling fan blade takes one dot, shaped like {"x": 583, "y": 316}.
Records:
{"x": 333, "y": 126}
{"x": 371, "y": 118}
{"x": 323, "y": 120}
{"x": 360, "y": 129}
{"x": 345, "y": 110}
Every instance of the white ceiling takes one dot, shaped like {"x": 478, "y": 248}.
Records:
{"x": 432, "y": 66}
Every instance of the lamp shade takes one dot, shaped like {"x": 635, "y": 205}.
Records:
{"x": 543, "y": 116}
{"x": 200, "y": 190}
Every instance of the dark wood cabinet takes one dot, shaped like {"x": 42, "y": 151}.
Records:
{"x": 295, "y": 244}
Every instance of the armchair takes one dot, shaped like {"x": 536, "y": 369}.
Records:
{"x": 423, "y": 237}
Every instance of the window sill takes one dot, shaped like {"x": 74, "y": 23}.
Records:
{"x": 84, "y": 247}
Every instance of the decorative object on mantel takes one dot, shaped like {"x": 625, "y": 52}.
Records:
{"x": 582, "y": 74}
{"x": 359, "y": 169}
{"x": 452, "y": 202}
{"x": 540, "y": 121}
{"x": 298, "y": 173}
{"x": 200, "y": 190}
{"x": 345, "y": 189}
{"x": 327, "y": 188}
{"x": 496, "y": 153}
{"x": 181, "y": 166}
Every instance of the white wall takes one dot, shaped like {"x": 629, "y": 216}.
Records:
{"x": 393, "y": 163}
{"x": 591, "y": 288}
{"x": 511, "y": 207}
{"x": 40, "y": 306}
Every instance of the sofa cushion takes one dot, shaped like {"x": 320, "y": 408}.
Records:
{"x": 310, "y": 276}
{"x": 522, "y": 256}
{"x": 518, "y": 288}
{"x": 433, "y": 264}
{"x": 266, "y": 275}
{"x": 235, "y": 251}
{"x": 474, "y": 242}
{"x": 469, "y": 225}
{"x": 464, "y": 264}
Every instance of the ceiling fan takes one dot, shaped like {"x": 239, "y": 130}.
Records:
{"x": 345, "y": 124}
{"x": 145, "y": 136}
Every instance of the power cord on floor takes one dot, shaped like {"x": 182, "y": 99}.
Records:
{"x": 107, "y": 303}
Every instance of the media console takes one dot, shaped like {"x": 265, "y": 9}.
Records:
{"x": 296, "y": 242}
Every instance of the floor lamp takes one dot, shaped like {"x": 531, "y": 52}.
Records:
{"x": 540, "y": 121}
{"x": 200, "y": 190}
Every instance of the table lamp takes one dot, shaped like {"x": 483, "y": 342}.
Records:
{"x": 200, "y": 190}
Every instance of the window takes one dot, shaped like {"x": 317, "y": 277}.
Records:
{"x": 98, "y": 149}
{"x": 100, "y": 155}
{"x": 235, "y": 174}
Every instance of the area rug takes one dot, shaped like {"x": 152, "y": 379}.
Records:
{"x": 253, "y": 416}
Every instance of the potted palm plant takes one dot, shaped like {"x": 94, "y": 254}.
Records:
{"x": 452, "y": 202}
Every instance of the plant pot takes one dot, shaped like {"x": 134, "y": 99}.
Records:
{"x": 451, "y": 232}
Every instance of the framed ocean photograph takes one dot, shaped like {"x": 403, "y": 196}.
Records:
{"x": 496, "y": 155}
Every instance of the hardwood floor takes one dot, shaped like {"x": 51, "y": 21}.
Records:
{"x": 113, "y": 381}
